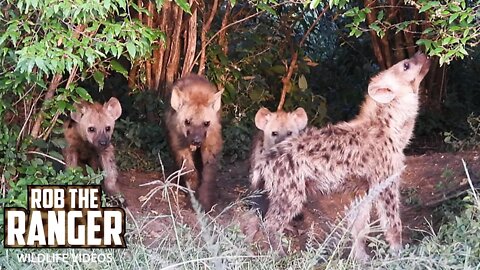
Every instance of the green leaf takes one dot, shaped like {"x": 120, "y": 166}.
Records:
{"x": 380, "y": 15}
{"x": 183, "y": 4}
{"x": 132, "y": 50}
{"x": 83, "y": 93}
{"x": 314, "y": 4}
{"x": 302, "y": 83}
{"x": 279, "y": 69}
{"x": 452, "y": 18}
{"x": 99, "y": 78}
{"x": 266, "y": 8}
{"x": 116, "y": 66}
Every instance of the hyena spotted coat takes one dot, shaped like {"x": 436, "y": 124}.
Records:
{"x": 88, "y": 133}
{"x": 274, "y": 127}
{"x": 369, "y": 147}
{"x": 195, "y": 134}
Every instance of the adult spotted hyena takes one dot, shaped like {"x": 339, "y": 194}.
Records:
{"x": 274, "y": 127}
{"x": 195, "y": 133}
{"x": 368, "y": 147}
{"x": 88, "y": 133}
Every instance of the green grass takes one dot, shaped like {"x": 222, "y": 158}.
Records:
{"x": 213, "y": 246}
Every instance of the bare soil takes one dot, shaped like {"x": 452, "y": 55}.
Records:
{"x": 428, "y": 181}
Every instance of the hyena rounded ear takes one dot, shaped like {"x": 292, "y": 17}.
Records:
{"x": 301, "y": 117}
{"x": 113, "y": 107}
{"x": 380, "y": 93}
{"x": 78, "y": 113}
{"x": 176, "y": 100}
{"x": 261, "y": 118}
{"x": 216, "y": 101}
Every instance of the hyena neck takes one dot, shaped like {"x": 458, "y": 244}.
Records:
{"x": 396, "y": 118}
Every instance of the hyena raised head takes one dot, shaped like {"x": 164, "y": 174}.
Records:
{"x": 369, "y": 147}
{"x": 195, "y": 133}
{"x": 88, "y": 133}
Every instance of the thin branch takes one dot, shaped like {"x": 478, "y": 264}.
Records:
{"x": 293, "y": 63}
{"x": 203, "y": 37}
{"x": 233, "y": 24}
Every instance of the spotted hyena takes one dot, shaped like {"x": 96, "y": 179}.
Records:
{"x": 88, "y": 133}
{"x": 368, "y": 147}
{"x": 194, "y": 132}
{"x": 274, "y": 127}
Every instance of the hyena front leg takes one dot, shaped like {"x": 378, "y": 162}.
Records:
{"x": 360, "y": 230}
{"x": 207, "y": 191}
{"x": 71, "y": 157}
{"x": 185, "y": 157}
{"x": 107, "y": 159}
{"x": 281, "y": 211}
{"x": 388, "y": 209}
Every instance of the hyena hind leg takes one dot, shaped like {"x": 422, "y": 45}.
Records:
{"x": 388, "y": 210}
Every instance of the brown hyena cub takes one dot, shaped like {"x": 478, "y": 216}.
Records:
{"x": 88, "y": 133}
{"x": 274, "y": 127}
{"x": 368, "y": 147}
{"x": 195, "y": 134}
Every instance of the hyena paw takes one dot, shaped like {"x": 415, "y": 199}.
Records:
{"x": 396, "y": 249}
{"x": 360, "y": 254}
{"x": 250, "y": 226}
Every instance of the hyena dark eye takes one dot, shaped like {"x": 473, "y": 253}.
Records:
{"x": 274, "y": 133}
{"x": 289, "y": 133}
{"x": 206, "y": 123}
{"x": 107, "y": 129}
{"x": 187, "y": 122}
{"x": 406, "y": 66}
{"x": 91, "y": 129}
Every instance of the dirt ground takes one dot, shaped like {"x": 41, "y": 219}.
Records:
{"x": 428, "y": 180}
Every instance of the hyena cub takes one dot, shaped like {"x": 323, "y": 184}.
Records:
{"x": 88, "y": 133}
{"x": 195, "y": 133}
{"x": 274, "y": 127}
{"x": 368, "y": 147}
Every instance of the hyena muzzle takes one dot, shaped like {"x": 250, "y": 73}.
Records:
{"x": 195, "y": 134}
{"x": 368, "y": 147}
{"x": 88, "y": 133}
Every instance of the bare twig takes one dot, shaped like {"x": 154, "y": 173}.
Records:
{"x": 293, "y": 63}
{"x": 203, "y": 36}
{"x": 46, "y": 155}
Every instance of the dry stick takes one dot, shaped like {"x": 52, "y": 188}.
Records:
{"x": 57, "y": 114}
{"x": 162, "y": 50}
{"x": 132, "y": 74}
{"x": 232, "y": 24}
{"x": 223, "y": 43}
{"x": 203, "y": 37}
{"x": 293, "y": 63}
{"x": 222, "y": 39}
{"x": 190, "y": 47}
{"x": 49, "y": 95}
{"x": 53, "y": 87}
{"x": 174, "y": 59}
{"x": 148, "y": 64}
{"x": 371, "y": 17}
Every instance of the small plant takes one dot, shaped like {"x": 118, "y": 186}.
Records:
{"x": 411, "y": 196}
{"x": 472, "y": 141}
